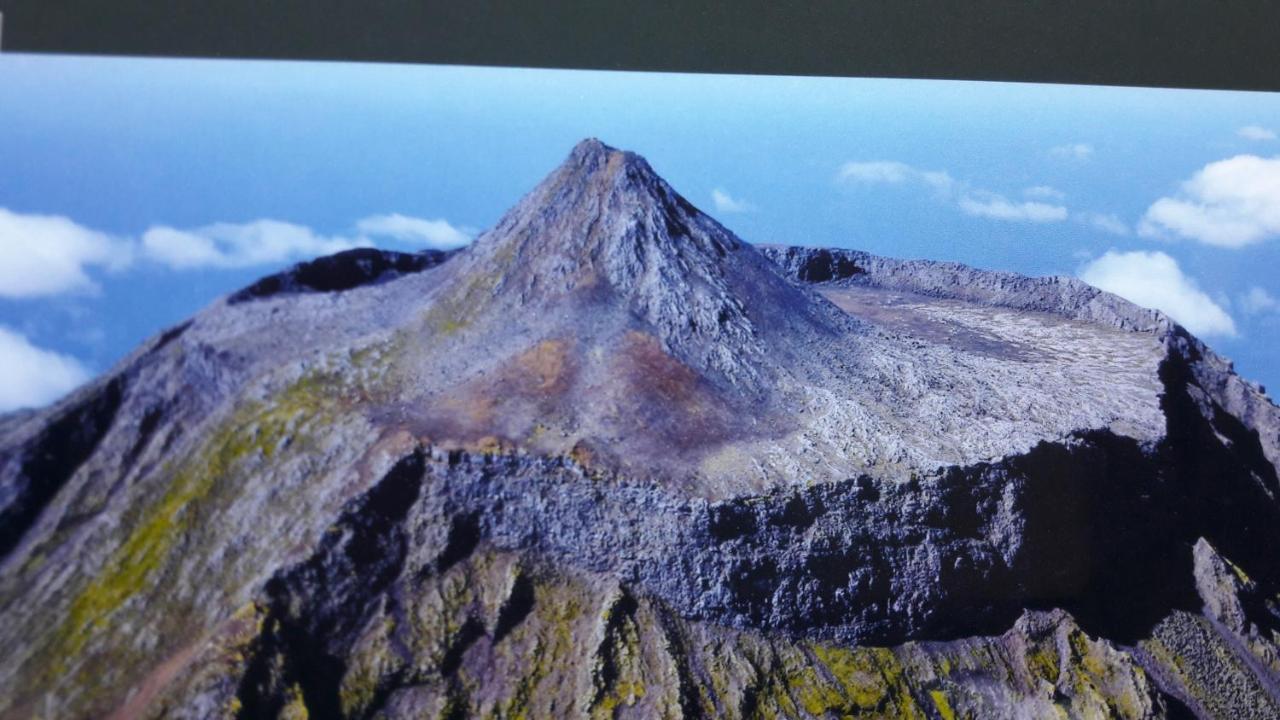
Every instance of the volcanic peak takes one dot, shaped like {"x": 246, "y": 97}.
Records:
{"x": 604, "y": 210}
{"x": 603, "y": 234}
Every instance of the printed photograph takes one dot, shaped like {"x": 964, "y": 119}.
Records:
{"x": 337, "y": 390}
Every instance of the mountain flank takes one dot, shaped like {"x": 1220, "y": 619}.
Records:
{"x": 612, "y": 460}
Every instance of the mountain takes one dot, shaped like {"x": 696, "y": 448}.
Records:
{"x": 611, "y": 460}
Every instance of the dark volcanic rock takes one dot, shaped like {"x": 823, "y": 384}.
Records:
{"x": 613, "y": 461}
{"x": 815, "y": 265}
{"x": 341, "y": 271}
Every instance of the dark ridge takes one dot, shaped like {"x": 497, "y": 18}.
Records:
{"x": 1105, "y": 538}
{"x": 382, "y": 693}
{"x": 797, "y": 512}
{"x": 1225, "y": 484}
{"x": 341, "y": 271}
{"x": 317, "y": 673}
{"x": 687, "y": 674}
{"x": 316, "y": 607}
{"x": 731, "y": 520}
{"x": 517, "y": 607}
{"x": 146, "y": 428}
{"x": 621, "y": 614}
{"x": 1177, "y": 709}
{"x": 261, "y": 688}
{"x": 1108, "y": 533}
{"x": 823, "y": 266}
{"x": 54, "y": 456}
{"x": 812, "y": 265}
{"x": 170, "y": 335}
{"x": 456, "y": 702}
{"x": 1107, "y": 524}
{"x": 464, "y": 535}
{"x": 471, "y": 630}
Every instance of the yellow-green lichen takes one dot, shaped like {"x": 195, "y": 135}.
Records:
{"x": 872, "y": 678}
{"x": 373, "y": 660}
{"x": 1084, "y": 655}
{"x": 1042, "y": 661}
{"x": 943, "y": 706}
{"x": 622, "y": 648}
{"x": 294, "y": 707}
{"x": 258, "y": 428}
{"x": 553, "y": 650}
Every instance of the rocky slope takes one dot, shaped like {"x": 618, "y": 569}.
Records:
{"x": 613, "y": 461}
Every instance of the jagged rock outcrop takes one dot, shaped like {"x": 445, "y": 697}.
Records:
{"x": 341, "y": 271}
{"x": 613, "y": 461}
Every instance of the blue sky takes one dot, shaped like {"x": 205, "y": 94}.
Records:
{"x": 133, "y": 192}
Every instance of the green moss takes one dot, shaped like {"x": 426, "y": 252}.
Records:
{"x": 834, "y": 681}
{"x": 1042, "y": 661}
{"x": 1085, "y": 657}
{"x": 556, "y": 610}
{"x": 454, "y": 308}
{"x": 451, "y": 313}
{"x": 357, "y": 691}
{"x": 814, "y": 695}
{"x": 942, "y": 704}
{"x": 944, "y": 665}
{"x": 622, "y": 648}
{"x": 255, "y": 429}
{"x": 373, "y": 660}
{"x": 870, "y": 677}
{"x": 625, "y": 692}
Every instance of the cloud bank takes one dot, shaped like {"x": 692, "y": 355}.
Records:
{"x": 49, "y": 255}
{"x": 44, "y": 255}
{"x": 1230, "y": 203}
{"x": 228, "y": 245}
{"x": 968, "y": 199}
{"x": 437, "y": 234}
{"x": 994, "y": 206}
{"x": 33, "y": 376}
{"x": 1154, "y": 280}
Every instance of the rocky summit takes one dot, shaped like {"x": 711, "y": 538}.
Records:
{"x": 611, "y": 460}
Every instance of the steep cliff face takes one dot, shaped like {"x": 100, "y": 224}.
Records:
{"x": 613, "y": 461}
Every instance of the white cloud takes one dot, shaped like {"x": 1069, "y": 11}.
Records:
{"x": 438, "y": 234}
{"x": 1072, "y": 151}
{"x": 1255, "y": 132}
{"x": 1257, "y": 301}
{"x": 970, "y": 200}
{"x": 1044, "y": 192}
{"x": 34, "y": 376}
{"x": 877, "y": 171}
{"x": 1154, "y": 280}
{"x": 1229, "y": 203}
{"x": 1103, "y": 221}
{"x": 228, "y": 245}
{"x": 939, "y": 181}
{"x": 726, "y": 203}
{"x": 43, "y": 255}
{"x": 999, "y": 208}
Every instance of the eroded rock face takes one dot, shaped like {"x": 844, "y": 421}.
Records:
{"x": 611, "y": 460}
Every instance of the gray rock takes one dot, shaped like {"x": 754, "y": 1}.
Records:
{"x": 613, "y": 460}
